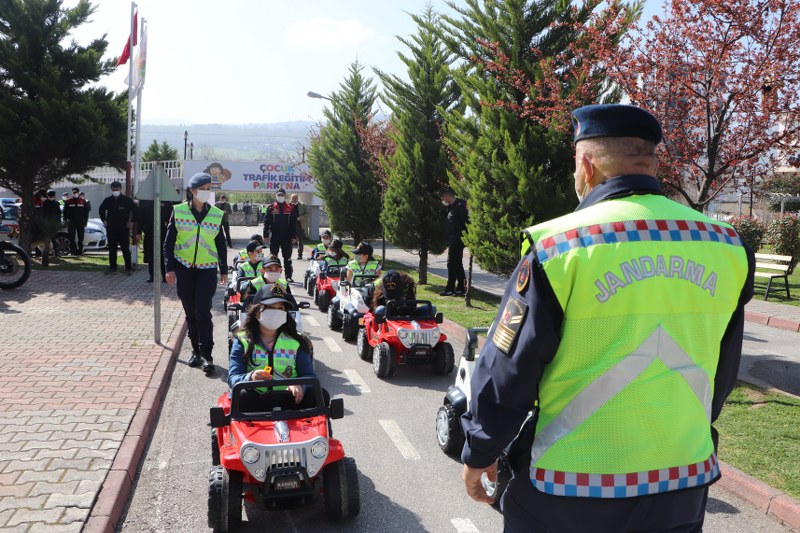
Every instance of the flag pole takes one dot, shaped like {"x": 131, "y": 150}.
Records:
{"x": 130, "y": 108}
{"x": 138, "y": 156}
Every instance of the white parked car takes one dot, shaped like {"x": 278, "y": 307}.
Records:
{"x": 94, "y": 237}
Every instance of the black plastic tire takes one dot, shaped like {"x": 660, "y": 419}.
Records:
{"x": 383, "y": 362}
{"x": 305, "y": 280}
{"x": 232, "y": 318}
{"x": 334, "y": 322}
{"x": 323, "y": 301}
{"x": 311, "y": 285}
{"x": 15, "y": 266}
{"x": 224, "y": 499}
{"x": 444, "y": 359}
{"x": 449, "y": 434}
{"x": 349, "y": 327}
{"x": 362, "y": 345}
{"x": 214, "y": 447}
{"x": 340, "y": 484}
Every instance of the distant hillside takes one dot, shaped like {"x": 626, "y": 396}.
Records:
{"x": 233, "y": 142}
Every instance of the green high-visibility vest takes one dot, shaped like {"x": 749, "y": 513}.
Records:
{"x": 371, "y": 267}
{"x": 194, "y": 242}
{"x": 260, "y": 281}
{"x": 249, "y": 270}
{"x": 284, "y": 355}
{"x": 647, "y": 287}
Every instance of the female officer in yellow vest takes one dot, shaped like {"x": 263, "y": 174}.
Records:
{"x": 364, "y": 263}
{"x": 270, "y": 347}
{"x": 623, "y": 324}
{"x": 194, "y": 248}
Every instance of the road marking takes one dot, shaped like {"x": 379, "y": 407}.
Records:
{"x": 400, "y": 440}
{"x": 464, "y": 525}
{"x": 773, "y": 352}
{"x": 332, "y": 346}
{"x": 355, "y": 379}
{"x": 311, "y": 320}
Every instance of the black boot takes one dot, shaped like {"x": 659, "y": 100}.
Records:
{"x": 208, "y": 361}
{"x": 195, "y": 360}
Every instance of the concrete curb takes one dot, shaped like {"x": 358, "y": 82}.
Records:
{"x": 788, "y": 324}
{"x": 113, "y": 496}
{"x": 762, "y": 496}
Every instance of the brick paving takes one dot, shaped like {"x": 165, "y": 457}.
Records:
{"x": 76, "y": 360}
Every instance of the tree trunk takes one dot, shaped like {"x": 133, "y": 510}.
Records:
{"x": 26, "y": 216}
{"x": 423, "y": 265}
{"x": 468, "y": 292}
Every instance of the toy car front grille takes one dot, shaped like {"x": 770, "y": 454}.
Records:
{"x": 287, "y": 458}
{"x": 427, "y": 337}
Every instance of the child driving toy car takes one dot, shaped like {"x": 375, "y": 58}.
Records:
{"x": 319, "y": 250}
{"x": 271, "y": 274}
{"x": 394, "y": 286}
{"x": 364, "y": 263}
{"x": 253, "y": 265}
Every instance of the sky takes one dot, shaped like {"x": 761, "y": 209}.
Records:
{"x": 253, "y": 61}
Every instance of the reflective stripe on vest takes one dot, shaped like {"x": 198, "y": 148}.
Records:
{"x": 194, "y": 241}
{"x": 625, "y": 404}
{"x": 249, "y": 270}
{"x": 284, "y": 357}
{"x": 261, "y": 282}
{"x": 369, "y": 268}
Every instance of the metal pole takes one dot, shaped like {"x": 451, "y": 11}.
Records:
{"x": 130, "y": 106}
{"x": 156, "y": 255}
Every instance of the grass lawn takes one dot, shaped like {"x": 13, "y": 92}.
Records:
{"x": 89, "y": 262}
{"x": 760, "y": 435}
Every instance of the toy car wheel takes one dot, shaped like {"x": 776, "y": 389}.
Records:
{"x": 224, "y": 499}
{"x": 444, "y": 359}
{"x": 340, "y": 483}
{"x": 334, "y": 322}
{"x": 323, "y": 301}
{"x": 383, "y": 362}
{"x": 349, "y": 327}
{"x": 311, "y": 285}
{"x": 448, "y": 430}
{"x": 214, "y": 447}
{"x": 362, "y": 346}
{"x": 225, "y": 303}
{"x": 232, "y": 317}
{"x": 305, "y": 280}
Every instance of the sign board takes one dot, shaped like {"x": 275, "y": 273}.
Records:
{"x": 252, "y": 176}
{"x": 158, "y": 177}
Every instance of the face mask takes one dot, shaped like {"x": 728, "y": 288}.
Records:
{"x": 272, "y": 318}
{"x": 444, "y": 203}
{"x": 332, "y": 253}
{"x": 272, "y": 277}
{"x": 326, "y": 242}
{"x": 280, "y": 199}
{"x": 259, "y": 257}
{"x": 115, "y": 193}
{"x": 202, "y": 195}
{"x": 74, "y": 195}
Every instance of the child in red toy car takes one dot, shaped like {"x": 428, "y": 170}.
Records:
{"x": 335, "y": 255}
{"x": 270, "y": 339}
{"x": 319, "y": 250}
{"x": 395, "y": 285}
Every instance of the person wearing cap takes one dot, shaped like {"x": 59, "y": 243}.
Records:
{"x": 621, "y": 329}
{"x": 456, "y": 223}
{"x": 254, "y": 265}
{"x": 363, "y": 263}
{"x": 270, "y": 275}
{"x": 335, "y": 255}
{"x": 268, "y": 346}
{"x": 226, "y": 210}
{"x": 393, "y": 285}
{"x": 280, "y": 230}
{"x": 118, "y": 214}
{"x": 194, "y": 249}
{"x": 302, "y": 211}
{"x": 75, "y": 217}
{"x": 320, "y": 249}
{"x": 243, "y": 253}
{"x": 48, "y": 223}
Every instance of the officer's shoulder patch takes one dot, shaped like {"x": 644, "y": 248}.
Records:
{"x": 524, "y": 275}
{"x": 510, "y": 322}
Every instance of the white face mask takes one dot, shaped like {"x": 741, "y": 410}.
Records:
{"x": 202, "y": 195}
{"x": 326, "y": 242}
{"x": 115, "y": 193}
{"x": 272, "y": 277}
{"x": 444, "y": 203}
{"x": 332, "y": 253}
{"x": 74, "y": 195}
{"x": 272, "y": 318}
{"x": 280, "y": 199}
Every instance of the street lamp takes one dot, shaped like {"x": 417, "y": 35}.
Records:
{"x": 185, "y": 139}
{"x": 191, "y": 151}
{"x": 312, "y": 94}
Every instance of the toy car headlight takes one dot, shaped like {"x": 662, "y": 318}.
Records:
{"x": 250, "y": 455}
{"x": 436, "y": 334}
{"x": 312, "y": 469}
{"x": 402, "y": 333}
{"x": 319, "y": 449}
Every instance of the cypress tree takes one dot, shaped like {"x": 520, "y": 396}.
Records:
{"x": 338, "y": 160}
{"x": 412, "y": 214}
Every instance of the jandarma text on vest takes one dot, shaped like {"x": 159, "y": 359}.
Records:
{"x": 648, "y": 267}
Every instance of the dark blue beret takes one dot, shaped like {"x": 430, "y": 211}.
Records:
{"x": 198, "y": 180}
{"x": 615, "y": 120}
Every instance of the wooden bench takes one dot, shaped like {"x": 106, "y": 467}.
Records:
{"x": 773, "y": 266}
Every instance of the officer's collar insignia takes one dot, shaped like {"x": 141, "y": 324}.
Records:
{"x": 508, "y": 327}
{"x": 524, "y": 275}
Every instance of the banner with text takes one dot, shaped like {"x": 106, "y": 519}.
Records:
{"x": 252, "y": 176}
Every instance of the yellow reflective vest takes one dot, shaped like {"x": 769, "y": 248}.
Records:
{"x": 194, "y": 241}
{"x": 281, "y": 360}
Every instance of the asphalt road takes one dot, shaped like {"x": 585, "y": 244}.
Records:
{"x": 406, "y": 483}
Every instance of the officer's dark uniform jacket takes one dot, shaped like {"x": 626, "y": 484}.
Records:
{"x": 528, "y": 333}
{"x": 281, "y": 220}
{"x": 75, "y": 210}
{"x": 116, "y": 212}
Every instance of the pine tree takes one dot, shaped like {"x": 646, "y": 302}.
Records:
{"x": 412, "y": 214}
{"x": 338, "y": 160}
{"x": 53, "y": 123}
{"x": 160, "y": 152}
{"x": 514, "y": 172}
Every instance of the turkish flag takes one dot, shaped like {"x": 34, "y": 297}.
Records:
{"x": 126, "y": 52}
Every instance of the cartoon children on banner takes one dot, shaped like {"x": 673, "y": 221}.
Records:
{"x": 219, "y": 175}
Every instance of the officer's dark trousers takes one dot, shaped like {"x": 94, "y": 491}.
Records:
{"x": 196, "y": 288}
{"x": 119, "y": 237}
{"x": 75, "y": 233}
{"x": 455, "y": 268}
{"x": 527, "y": 510}
{"x": 286, "y": 250}
{"x": 227, "y": 229}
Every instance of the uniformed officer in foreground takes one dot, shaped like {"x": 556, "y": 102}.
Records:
{"x": 623, "y": 324}
{"x": 194, "y": 248}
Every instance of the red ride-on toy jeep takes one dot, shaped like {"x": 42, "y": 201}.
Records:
{"x": 278, "y": 456}
{"x": 327, "y": 281}
{"x": 407, "y": 333}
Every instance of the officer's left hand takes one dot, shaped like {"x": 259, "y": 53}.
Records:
{"x": 298, "y": 392}
{"x": 223, "y": 279}
{"x": 294, "y": 241}
{"x": 472, "y": 482}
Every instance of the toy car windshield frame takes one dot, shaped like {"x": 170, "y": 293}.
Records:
{"x": 333, "y": 271}
{"x": 289, "y": 414}
{"x": 393, "y": 313}
{"x": 365, "y": 279}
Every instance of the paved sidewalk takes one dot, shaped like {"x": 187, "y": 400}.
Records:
{"x": 76, "y": 361}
